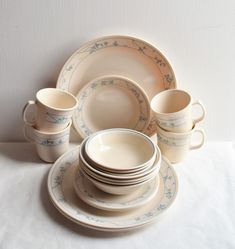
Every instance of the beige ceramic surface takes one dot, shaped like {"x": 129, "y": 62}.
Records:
{"x": 89, "y": 168}
{"x": 64, "y": 198}
{"x": 117, "y": 189}
{"x": 111, "y": 102}
{"x": 153, "y": 170}
{"x": 119, "y": 55}
{"x": 52, "y": 112}
{"x": 173, "y": 110}
{"x": 175, "y": 146}
{"x": 101, "y": 200}
{"x": 49, "y": 146}
{"x": 120, "y": 150}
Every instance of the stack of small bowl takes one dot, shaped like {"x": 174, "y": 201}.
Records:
{"x": 119, "y": 161}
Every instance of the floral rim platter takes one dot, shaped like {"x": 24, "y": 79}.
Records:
{"x": 127, "y": 56}
{"x": 64, "y": 198}
{"x": 101, "y": 200}
{"x": 109, "y": 102}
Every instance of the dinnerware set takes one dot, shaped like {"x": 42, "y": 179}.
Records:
{"x": 116, "y": 92}
{"x": 48, "y": 121}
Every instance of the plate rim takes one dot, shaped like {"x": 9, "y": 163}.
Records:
{"x": 121, "y": 208}
{"x": 99, "y": 227}
{"x": 173, "y": 84}
{"x": 116, "y": 77}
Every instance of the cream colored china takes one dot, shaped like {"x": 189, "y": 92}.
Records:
{"x": 52, "y": 112}
{"x": 117, "y": 189}
{"x": 121, "y": 181}
{"x": 175, "y": 146}
{"x": 109, "y": 102}
{"x": 49, "y": 146}
{"x": 119, "y": 55}
{"x": 173, "y": 110}
{"x": 90, "y": 169}
{"x": 64, "y": 198}
{"x": 105, "y": 147}
{"x": 101, "y": 200}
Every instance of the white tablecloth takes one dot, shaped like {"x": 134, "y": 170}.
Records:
{"x": 202, "y": 215}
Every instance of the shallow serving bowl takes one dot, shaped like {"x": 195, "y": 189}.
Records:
{"x": 120, "y": 150}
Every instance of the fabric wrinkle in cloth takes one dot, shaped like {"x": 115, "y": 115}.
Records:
{"x": 202, "y": 215}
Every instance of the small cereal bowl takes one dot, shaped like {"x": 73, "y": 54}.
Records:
{"x": 120, "y": 150}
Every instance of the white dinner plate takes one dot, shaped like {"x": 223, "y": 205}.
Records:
{"x": 63, "y": 196}
{"x": 126, "y": 56}
{"x": 111, "y": 102}
{"x": 93, "y": 196}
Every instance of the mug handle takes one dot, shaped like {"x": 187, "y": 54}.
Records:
{"x": 24, "y": 113}
{"x": 26, "y": 133}
{"x": 202, "y": 116}
{"x": 197, "y": 146}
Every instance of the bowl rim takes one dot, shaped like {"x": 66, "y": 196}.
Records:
{"x": 120, "y": 130}
{"x": 143, "y": 174}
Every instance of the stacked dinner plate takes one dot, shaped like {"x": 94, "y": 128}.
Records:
{"x": 119, "y": 162}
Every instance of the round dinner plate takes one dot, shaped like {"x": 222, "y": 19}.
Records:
{"x": 64, "y": 198}
{"x": 90, "y": 194}
{"x": 111, "y": 102}
{"x": 126, "y": 56}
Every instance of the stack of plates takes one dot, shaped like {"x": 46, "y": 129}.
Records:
{"x": 114, "y": 79}
{"x": 64, "y": 198}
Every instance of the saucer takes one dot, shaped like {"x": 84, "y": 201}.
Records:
{"x": 64, "y": 198}
{"x": 119, "y": 55}
{"x": 110, "y": 102}
{"x": 86, "y": 190}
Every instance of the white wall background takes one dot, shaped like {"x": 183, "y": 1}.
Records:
{"x": 198, "y": 38}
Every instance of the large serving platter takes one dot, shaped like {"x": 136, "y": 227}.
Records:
{"x": 64, "y": 198}
{"x": 119, "y": 55}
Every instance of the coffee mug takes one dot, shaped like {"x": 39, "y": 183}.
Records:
{"x": 49, "y": 145}
{"x": 175, "y": 146}
{"x": 52, "y": 110}
{"x": 173, "y": 110}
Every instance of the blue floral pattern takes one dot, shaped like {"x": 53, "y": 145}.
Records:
{"x": 57, "y": 181}
{"x": 51, "y": 142}
{"x": 153, "y": 54}
{"x": 57, "y": 118}
{"x": 142, "y": 103}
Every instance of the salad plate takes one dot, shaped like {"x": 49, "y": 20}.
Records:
{"x": 127, "y": 56}
{"x": 110, "y": 102}
{"x": 64, "y": 198}
{"x": 101, "y": 200}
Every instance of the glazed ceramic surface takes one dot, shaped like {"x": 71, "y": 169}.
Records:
{"x": 52, "y": 110}
{"x": 105, "y": 147}
{"x": 49, "y": 146}
{"x": 119, "y": 55}
{"x": 110, "y": 102}
{"x": 175, "y": 146}
{"x": 101, "y": 200}
{"x": 173, "y": 110}
{"x": 90, "y": 169}
{"x": 64, "y": 198}
{"x": 124, "y": 179}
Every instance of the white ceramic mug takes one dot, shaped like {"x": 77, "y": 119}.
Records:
{"x": 173, "y": 110}
{"x": 175, "y": 146}
{"x": 49, "y": 146}
{"x": 53, "y": 112}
